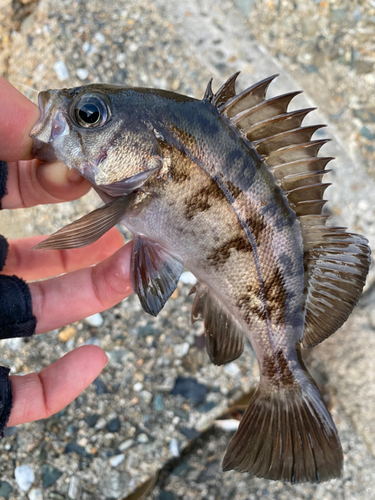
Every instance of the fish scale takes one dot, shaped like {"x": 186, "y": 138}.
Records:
{"x": 232, "y": 188}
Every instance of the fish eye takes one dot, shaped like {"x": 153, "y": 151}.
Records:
{"x": 91, "y": 110}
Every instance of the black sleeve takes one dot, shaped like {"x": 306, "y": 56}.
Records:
{"x": 16, "y": 317}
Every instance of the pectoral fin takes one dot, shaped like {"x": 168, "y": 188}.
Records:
{"x": 155, "y": 272}
{"x": 90, "y": 227}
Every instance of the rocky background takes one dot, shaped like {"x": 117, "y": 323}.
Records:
{"x": 156, "y": 422}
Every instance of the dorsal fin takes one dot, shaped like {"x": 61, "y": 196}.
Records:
{"x": 336, "y": 262}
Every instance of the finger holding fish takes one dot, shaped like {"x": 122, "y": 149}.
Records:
{"x": 31, "y": 265}
{"x": 81, "y": 293}
{"x": 18, "y": 117}
{"x": 31, "y": 183}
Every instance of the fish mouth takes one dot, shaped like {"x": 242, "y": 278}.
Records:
{"x": 49, "y": 127}
{"x": 45, "y": 100}
{"x": 43, "y": 151}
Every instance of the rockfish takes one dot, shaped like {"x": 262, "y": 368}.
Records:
{"x": 230, "y": 187}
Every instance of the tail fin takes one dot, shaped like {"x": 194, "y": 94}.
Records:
{"x": 286, "y": 435}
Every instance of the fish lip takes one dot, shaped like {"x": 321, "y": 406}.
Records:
{"x": 45, "y": 99}
{"x": 59, "y": 125}
{"x": 47, "y": 128}
{"x": 43, "y": 152}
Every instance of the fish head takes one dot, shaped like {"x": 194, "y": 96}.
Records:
{"x": 101, "y": 131}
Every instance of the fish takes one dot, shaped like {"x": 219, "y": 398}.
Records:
{"x": 231, "y": 187}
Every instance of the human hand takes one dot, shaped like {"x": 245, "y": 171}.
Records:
{"x": 91, "y": 280}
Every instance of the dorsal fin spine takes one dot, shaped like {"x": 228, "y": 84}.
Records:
{"x": 258, "y": 89}
{"x": 208, "y": 95}
{"x": 283, "y": 100}
{"x": 226, "y": 91}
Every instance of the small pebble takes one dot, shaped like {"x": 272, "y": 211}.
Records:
{"x": 167, "y": 385}
{"x": 25, "y": 477}
{"x": 55, "y": 495}
{"x": 35, "y": 494}
{"x": 158, "y": 402}
{"x": 166, "y": 495}
{"x": 206, "y": 407}
{"x": 92, "y": 341}
{"x": 61, "y": 70}
{"x": 190, "y": 388}
{"x": 95, "y": 320}
{"x": 5, "y": 489}
{"x": 190, "y": 433}
{"x": 10, "y": 431}
{"x": 182, "y": 413}
{"x": 363, "y": 205}
{"x": 180, "y": 350}
{"x": 86, "y": 47}
{"x": 67, "y": 333}
{"x": 173, "y": 447}
{"x": 142, "y": 438}
{"x": 75, "y": 447}
{"x": 82, "y": 73}
{"x": 114, "y": 425}
{"x": 73, "y": 491}
{"x": 50, "y": 475}
{"x": 100, "y": 37}
{"x": 370, "y": 78}
{"x": 229, "y": 424}
{"x": 14, "y": 344}
{"x": 92, "y": 419}
{"x": 188, "y": 278}
{"x": 138, "y": 387}
{"x": 146, "y": 396}
{"x": 101, "y": 388}
{"x": 232, "y": 369}
{"x": 121, "y": 57}
{"x": 126, "y": 444}
{"x": 182, "y": 467}
{"x": 116, "y": 460}
{"x": 100, "y": 424}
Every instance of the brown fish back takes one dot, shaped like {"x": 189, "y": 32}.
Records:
{"x": 336, "y": 262}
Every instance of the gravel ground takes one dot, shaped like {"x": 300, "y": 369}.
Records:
{"x": 329, "y": 47}
{"x": 134, "y": 420}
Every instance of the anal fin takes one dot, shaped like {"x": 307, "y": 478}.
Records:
{"x": 224, "y": 336}
{"x": 155, "y": 272}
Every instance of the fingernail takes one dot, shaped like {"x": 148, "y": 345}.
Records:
{"x": 73, "y": 175}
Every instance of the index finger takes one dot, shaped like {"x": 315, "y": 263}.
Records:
{"x": 18, "y": 116}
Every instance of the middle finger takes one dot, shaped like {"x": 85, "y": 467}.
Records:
{"x": 38, "y": 264}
